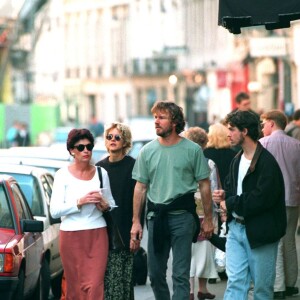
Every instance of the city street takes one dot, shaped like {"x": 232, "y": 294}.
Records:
{"x": 145, "y": 292}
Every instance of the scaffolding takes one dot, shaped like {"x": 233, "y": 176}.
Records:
{"x": 18, "y": 37}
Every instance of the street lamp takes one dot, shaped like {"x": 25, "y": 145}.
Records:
{"x": 173, "y": 81}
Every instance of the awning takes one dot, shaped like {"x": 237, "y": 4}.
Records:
{"x": 273, "y": 14}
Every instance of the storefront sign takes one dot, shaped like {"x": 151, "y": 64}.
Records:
{"x": 270, "y": 46}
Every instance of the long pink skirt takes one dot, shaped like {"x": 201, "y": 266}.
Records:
{"x": 84, "y": 256}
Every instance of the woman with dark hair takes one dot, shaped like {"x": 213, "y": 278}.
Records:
{"x": 78, "y": 201}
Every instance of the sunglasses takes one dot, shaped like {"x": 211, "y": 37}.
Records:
{"x": 81, "y": 147}
{"x": 117, "y": 137}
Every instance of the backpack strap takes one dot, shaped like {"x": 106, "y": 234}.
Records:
{"x": 100, "y": 176}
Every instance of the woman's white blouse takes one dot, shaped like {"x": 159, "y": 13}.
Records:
{"x": 67, "y": 189}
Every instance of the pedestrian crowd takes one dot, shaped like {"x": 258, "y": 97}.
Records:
{"x": 18, "y": 135}
{"x": 233, "y": 189}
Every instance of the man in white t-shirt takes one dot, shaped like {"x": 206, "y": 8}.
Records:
{"x": 253, "y": 198}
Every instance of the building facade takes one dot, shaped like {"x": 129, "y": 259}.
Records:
{"x": 112, "y": 59}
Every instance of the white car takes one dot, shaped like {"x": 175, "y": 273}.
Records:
{"x": 52, "y": 165}
{"x": 50, "y": 158}
{"x": 36, "y": 184}
{"x": 100, "y": 151}
{"x": 55, "y": 152}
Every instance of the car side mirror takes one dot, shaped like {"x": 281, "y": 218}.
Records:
{"x": 32, "y": 225}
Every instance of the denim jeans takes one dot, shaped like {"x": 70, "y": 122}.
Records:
{"x": 244, "y": 265}
{"x": 181, "y": 229}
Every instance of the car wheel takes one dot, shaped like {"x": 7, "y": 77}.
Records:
{"x": 56, "y": 286}
{"x": 45, "y": 279}
{"x": 19, "y": 292}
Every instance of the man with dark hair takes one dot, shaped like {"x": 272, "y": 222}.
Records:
{"x": 286, "y": 150}
{"x": 293, "y": 128}
{"x": 242, "y": 101}
{"x": 253, "y": 198}
{"x": 168, "y": 172}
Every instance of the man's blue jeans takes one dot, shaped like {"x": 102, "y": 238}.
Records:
{"x": 244, "y": 265}
{"x": 181, "y": 229}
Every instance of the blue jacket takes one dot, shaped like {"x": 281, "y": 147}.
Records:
{"x": 262, "y": 202}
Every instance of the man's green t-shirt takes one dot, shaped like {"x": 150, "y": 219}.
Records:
{"x": 170, "y": 171}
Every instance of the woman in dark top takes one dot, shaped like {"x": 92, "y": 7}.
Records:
{"x": 219, "y": 149}
{"x": 118, "y": 278}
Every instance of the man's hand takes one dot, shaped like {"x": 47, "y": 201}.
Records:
{"x": 136, "y": 232}
{"x": 136, "y": 235}
{"x": 223, "y": 206}
{"x": 218, "y": 195}
{"x": 207, "y": 227}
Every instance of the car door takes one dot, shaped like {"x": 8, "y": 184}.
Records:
{"x": 53, "y": 229}
{"x": 33, "y": 242}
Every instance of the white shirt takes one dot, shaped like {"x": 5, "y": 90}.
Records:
{"x": 67, "y": 189}
{"x": 243, "y": 168}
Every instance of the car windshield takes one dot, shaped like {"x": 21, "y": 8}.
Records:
{"x": 6, "y": 220}
{"x": 31, "y": 191}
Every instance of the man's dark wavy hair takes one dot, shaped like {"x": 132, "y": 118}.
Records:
{"x": 245, "y": 119}
{"x": 174, "y": 110}
{"x": 241, "y": 96}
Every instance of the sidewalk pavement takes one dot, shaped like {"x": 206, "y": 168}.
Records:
{"x": 145, "y": 292}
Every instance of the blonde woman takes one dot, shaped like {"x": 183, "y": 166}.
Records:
{"x": 119, "y": 276}
{"x": 202, "y": 261}
{"x": 218, "y": 149}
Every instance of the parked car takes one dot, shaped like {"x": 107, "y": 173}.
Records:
{"x": 100, "y": 151}
{"x": 60, "y": 134}
{"x": 50, "y": 158}
{"x": 21, "y": 244}
{"x": 36, "y": 184}
{"x": 52, "y": 165}
{"x": 137, "y": 145}
{"x": 55, "y": 152}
